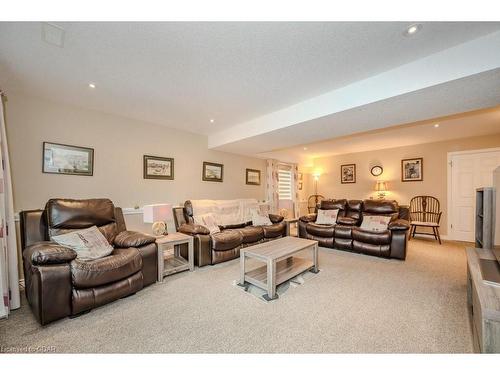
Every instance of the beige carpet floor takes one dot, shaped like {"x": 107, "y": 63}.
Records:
{"x": 356, "y": 303}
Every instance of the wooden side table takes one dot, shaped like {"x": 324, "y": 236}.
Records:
{"x": 170, "y": 260}
{"x": 290, "y": 221}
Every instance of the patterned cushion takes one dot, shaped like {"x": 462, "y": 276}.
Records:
{"x": 327, "y": 216}
{"x": 208, "y": 221}
{"x": 375, "y": 223}
{"x": 87, "y": 243}
{"x": 258, "y": 219}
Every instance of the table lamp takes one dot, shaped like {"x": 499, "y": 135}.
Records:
{"x": 158, "y": 214}
{"x": 381, "y": 188}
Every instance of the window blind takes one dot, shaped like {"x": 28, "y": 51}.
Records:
{"x": 284, "y": 183}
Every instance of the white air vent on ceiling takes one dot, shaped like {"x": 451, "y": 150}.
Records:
{"x": 53, "y": 34}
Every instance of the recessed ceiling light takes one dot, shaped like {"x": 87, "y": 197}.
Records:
{"x": 436, "y": 125}
{"x": 212, "y": 120}
{"x": 305, "y": 148}
{"x": 92, "y": 85}
{"x": 412, "y": 29}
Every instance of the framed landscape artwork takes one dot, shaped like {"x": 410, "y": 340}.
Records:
{"x": 253, "y": 177}
{"x": 67, "y": 159}
{"x": 348, "y": 173}
{"x": 158, "y": 168}
{"x": 212, "y": 172}
{"x": 412, "y": 169}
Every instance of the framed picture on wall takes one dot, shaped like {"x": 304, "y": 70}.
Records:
{"x": 158, "y": 168}
{"x": 66, "y": 159}
{"x": 252, "y": 177}
{"x": 348, "y": 173}
{"x": 412, "y": 169}
{"x": 212, "y": 172}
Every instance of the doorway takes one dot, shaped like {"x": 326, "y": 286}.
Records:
{"x": 467, "y": 171}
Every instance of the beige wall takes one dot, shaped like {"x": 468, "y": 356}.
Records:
{"x": 435, "y": 171}
{"x": 119, "y": 145}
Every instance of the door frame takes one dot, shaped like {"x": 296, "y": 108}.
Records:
{"x": 449, "y": 189}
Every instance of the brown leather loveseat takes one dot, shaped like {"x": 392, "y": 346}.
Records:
{"x": 347, "y": 234}
{"x": 225, "y": 245}
{"x": 59, "y": 285}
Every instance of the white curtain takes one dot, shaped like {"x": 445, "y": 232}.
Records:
{"x": 272, "y": 196}
{"x": 295, "y": 192}
{"x": 9, "y": 277}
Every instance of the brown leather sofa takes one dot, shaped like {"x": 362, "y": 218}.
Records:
{"x": 347, "y": 235}
{"x": 225, "y": 245}
{"x": 57, "y": 284}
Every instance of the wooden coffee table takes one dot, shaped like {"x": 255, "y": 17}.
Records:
{"x": 280, "y": 264}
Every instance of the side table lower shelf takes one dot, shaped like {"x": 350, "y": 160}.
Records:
{"x": 170, "y": 260}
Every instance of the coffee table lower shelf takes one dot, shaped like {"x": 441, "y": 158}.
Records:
{"x": 285, "y": 270}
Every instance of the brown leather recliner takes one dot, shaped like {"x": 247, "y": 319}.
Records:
{"x": 57, "y": 284}
{"x": 347, "y": 235}
{"x": 225, "y": 245}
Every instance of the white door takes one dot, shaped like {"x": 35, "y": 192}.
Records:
{"x": 469, "y": 171}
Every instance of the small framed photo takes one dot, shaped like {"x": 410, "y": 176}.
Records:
{"x": 158, "y": 168}
{"x": 348, "y": 173}
{"x": 252, "y": 177}
{"x": 300, "y": 176}
{"x": 212, "y": 172}
{"x": 412, "y": 169}
{"x": 66, "y": 159}
{"x": 300, "y": 185}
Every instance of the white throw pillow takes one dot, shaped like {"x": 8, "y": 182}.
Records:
{"x": 375, "y": 223}
{"x": 259, "y": 219}
{"x": 88, "y": 243}
{"x": 208, "y": 221}
{"x": 327, "y": 216}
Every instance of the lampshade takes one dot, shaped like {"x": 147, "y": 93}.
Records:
{"x": 381, "y": 186}
{"x": 153, "y": 213}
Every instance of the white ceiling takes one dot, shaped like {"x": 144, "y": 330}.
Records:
{"x": 461, "y": 78}
{"x": 457, "y": 96}
{"x": 182, "y": 74}
{"x": 470, "y": 124}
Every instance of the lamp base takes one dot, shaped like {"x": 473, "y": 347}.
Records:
{"x": 160, "y": 228}
{"x": 381, "y": 196}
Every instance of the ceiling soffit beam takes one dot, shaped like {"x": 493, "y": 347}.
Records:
{"x": 476, "y": 56}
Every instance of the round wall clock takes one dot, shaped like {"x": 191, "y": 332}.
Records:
{"x": 377, "y": 170}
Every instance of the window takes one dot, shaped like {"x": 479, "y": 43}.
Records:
{"x": 284, "y": 182}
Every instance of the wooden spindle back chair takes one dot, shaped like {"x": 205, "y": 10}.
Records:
{"x": 425, "y": 212}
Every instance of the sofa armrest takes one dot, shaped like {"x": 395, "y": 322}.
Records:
{"x": 233, "y": 226}
{"x": 399, "y": 224}
{"x": 193, "y": 229}
{"x": 308, "y": 218}
{"x": 130, "y": 238}
{"x": 275, "y": 219}
{"x": 346, "y": 220}
{"x": 47, "y": 252}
